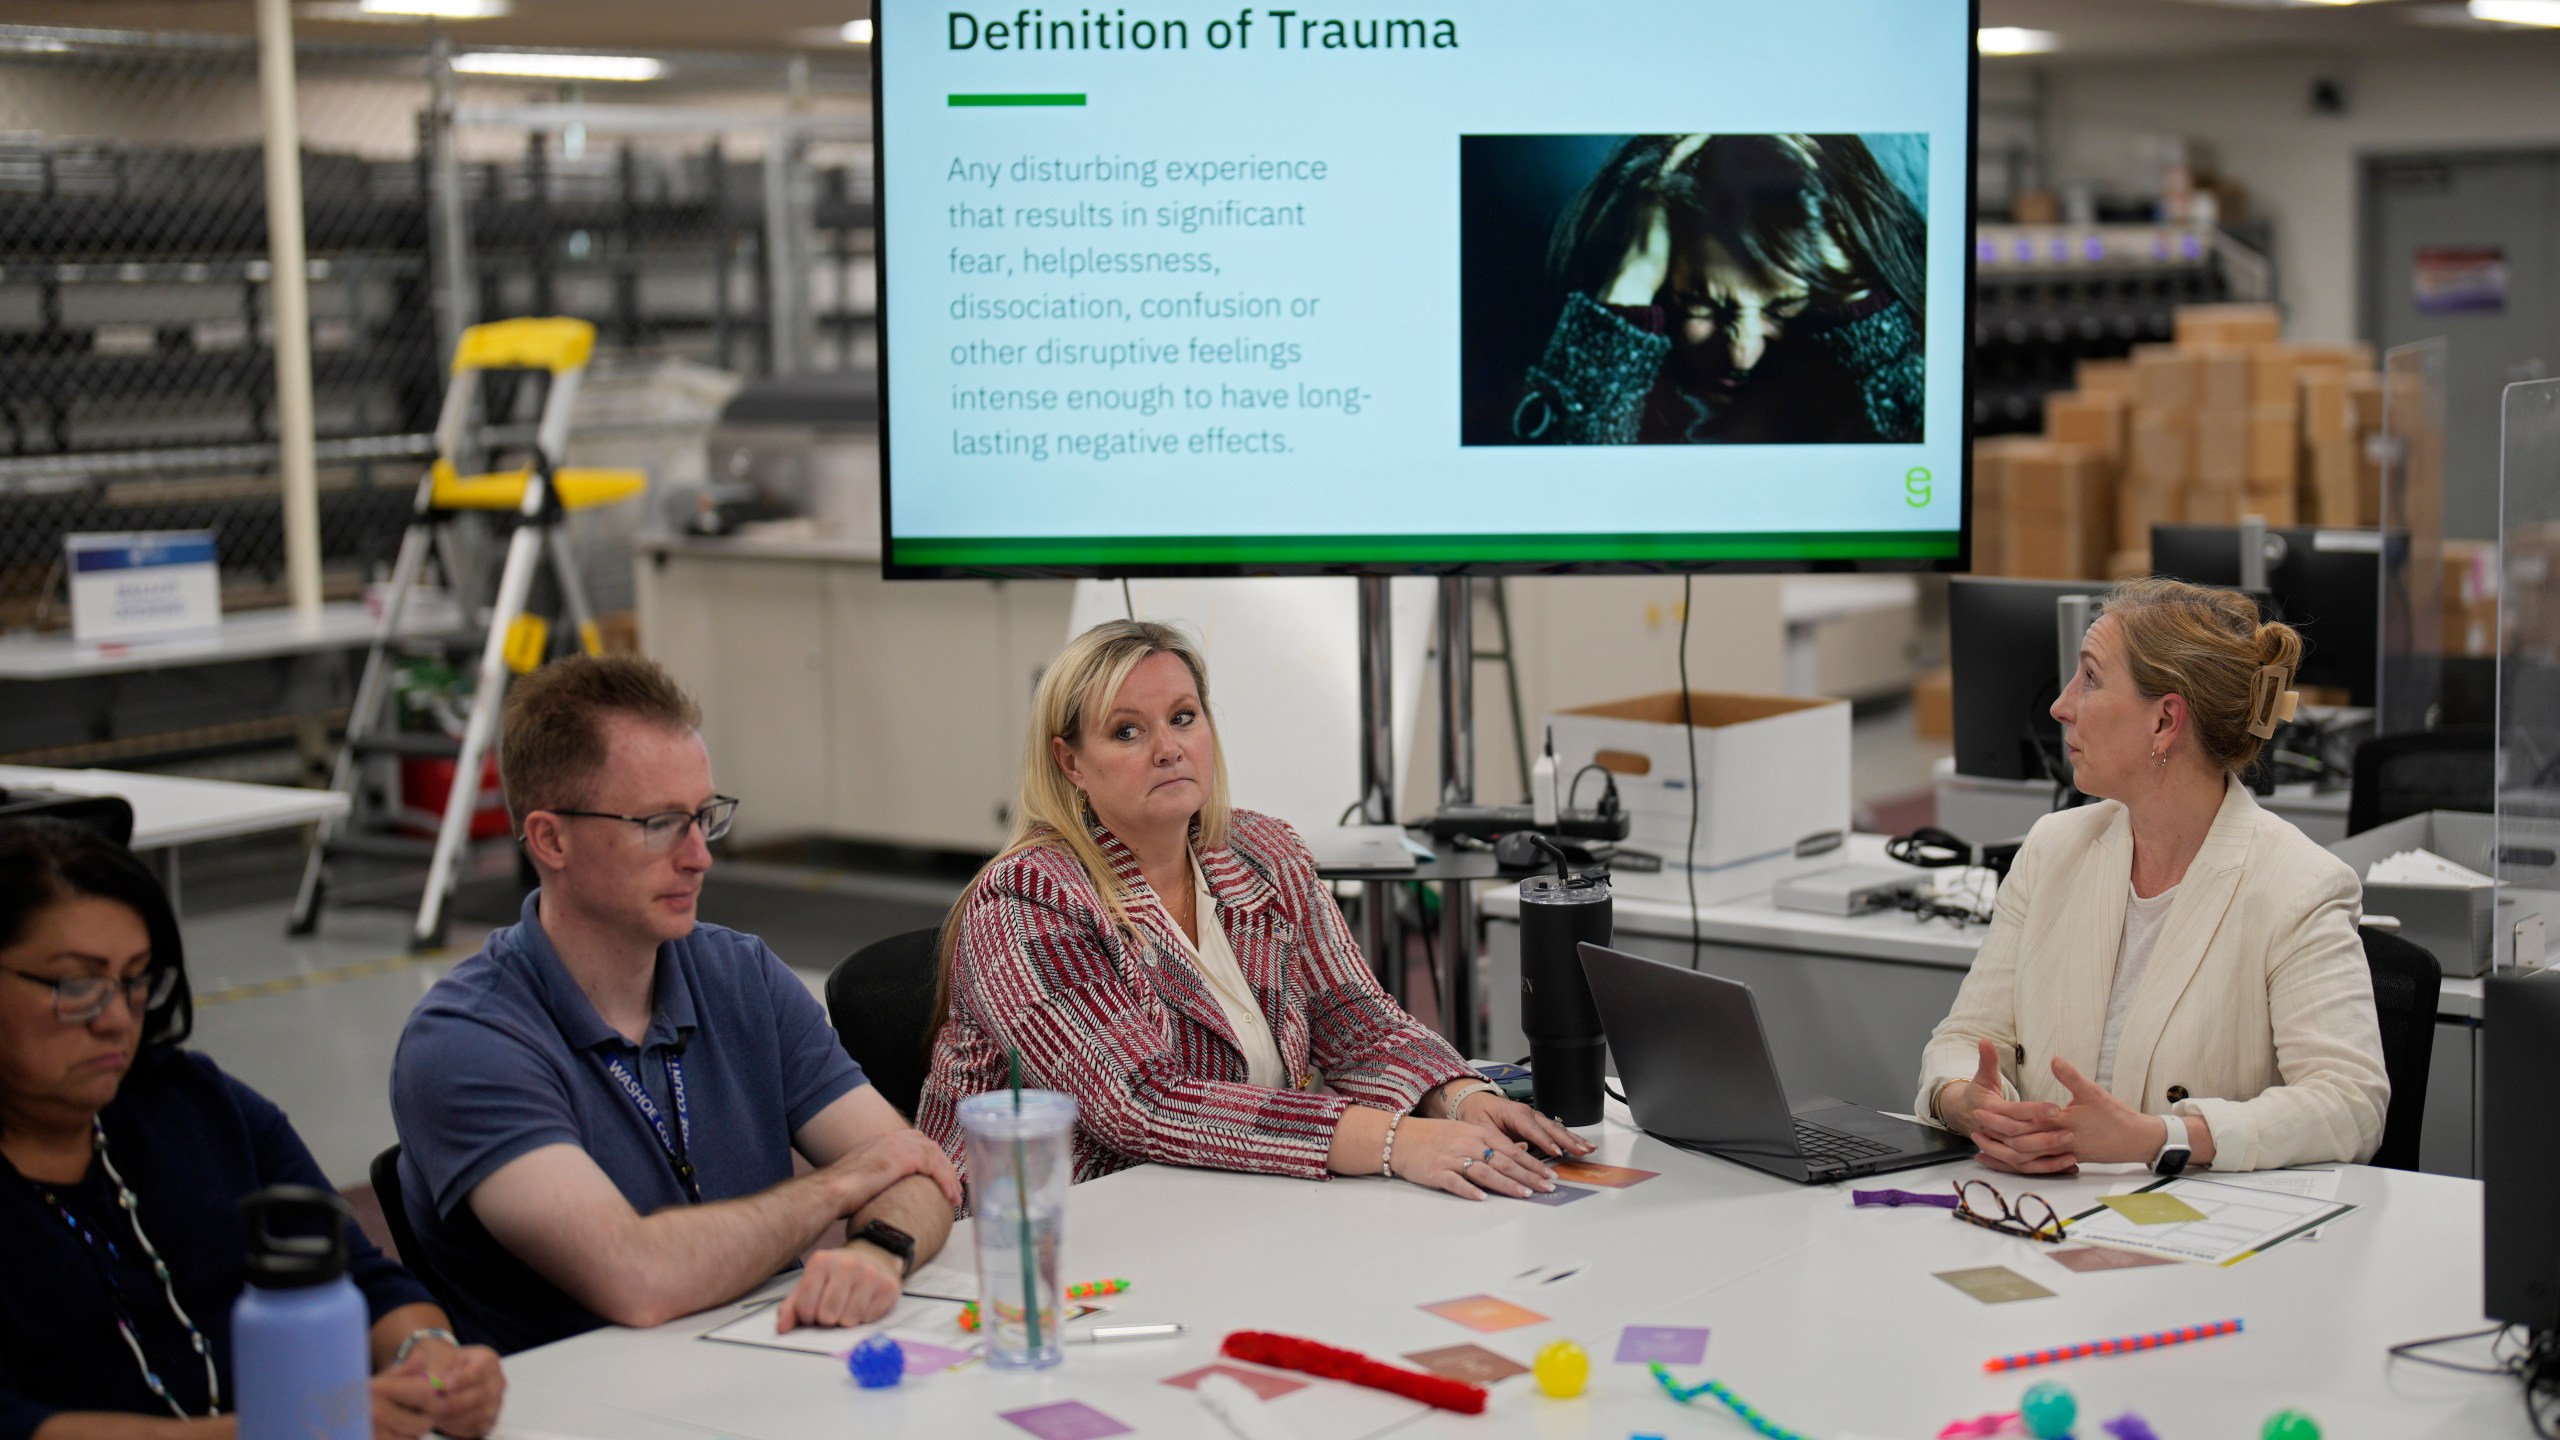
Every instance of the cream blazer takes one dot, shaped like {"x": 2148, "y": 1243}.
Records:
{"x": 2256, "y": 1012}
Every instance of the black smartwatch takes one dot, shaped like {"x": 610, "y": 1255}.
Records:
{"x": 894, "y": 1240}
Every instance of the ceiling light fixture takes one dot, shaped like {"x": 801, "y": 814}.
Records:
{"x": 438, "y": 9}
{"x": 856, "y": 32}
{"x": 2541, "y": 13}
{"x": 2010, "y": 40}
{"x": 544, "y": 65}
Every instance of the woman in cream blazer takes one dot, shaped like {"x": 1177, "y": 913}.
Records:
{"x": 2173, "y": 959}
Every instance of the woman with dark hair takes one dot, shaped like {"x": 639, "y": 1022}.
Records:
{"x": 1734, "y": 288}
{"x": 123, "y": 1161}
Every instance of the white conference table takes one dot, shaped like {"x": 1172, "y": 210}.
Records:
{"x": 174, "y": 810}
{"x": 1825, "y": 1316}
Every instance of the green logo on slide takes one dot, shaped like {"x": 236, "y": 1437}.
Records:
{"x": 1915, "y": 487}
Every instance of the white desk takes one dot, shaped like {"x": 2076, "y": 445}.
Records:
{"x": 1986, "y": 811}
{"x": 250, "y": 635}
{"x": 171, "y": 810}
{"x": 1849, "y": 1001}
{"x": 1824, "y": 1316}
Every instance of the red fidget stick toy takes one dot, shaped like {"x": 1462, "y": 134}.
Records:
{"x": 1288, "y": 1352}
{"x": 2121, "y": 1345}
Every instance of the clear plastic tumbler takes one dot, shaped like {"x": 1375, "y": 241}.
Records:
{"x": 1021, "y": 1157}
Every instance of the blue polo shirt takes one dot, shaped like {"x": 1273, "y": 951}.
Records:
{"x": 506, "y": 1055}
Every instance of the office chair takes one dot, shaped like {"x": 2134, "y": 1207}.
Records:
{"x": 2398, "y": 775}
{"x": 880, "y": 999}
{"x": 2406, "y": 980}
{"x": 385, "y": 1175}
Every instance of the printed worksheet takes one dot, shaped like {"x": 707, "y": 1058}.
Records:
{"x": 2233, "y": 1222}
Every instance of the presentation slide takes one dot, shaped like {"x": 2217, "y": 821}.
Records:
{"x": 1198, "y": 286}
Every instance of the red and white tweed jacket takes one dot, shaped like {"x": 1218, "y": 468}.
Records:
{"x": 1134, "y": 1033}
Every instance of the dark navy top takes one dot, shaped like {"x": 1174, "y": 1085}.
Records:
{"x": 191, "y": 1143}
{"x": 506, "y": 1055}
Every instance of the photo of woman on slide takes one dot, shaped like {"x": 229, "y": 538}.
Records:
{"x": 1715, "y": 289}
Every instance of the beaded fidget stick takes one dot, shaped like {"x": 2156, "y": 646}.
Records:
{"x": 1094, "y": 1289}
{"x": 1759, "y": 1423}
{"x": 2121, "y": 1345}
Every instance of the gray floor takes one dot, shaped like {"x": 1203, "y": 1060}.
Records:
{"x": 311, "y": 1023}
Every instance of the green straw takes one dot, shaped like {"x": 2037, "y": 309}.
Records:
{"x": 1022, "y": 1194}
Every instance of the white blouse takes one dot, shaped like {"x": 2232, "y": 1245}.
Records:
{"x": 1217, "y": 962}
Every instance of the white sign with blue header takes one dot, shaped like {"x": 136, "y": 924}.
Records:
{"x": 137, "y": 584}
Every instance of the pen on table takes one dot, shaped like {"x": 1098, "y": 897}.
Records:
{"x": 954, "y": 1299}
{"x": 1105, "y": 1334}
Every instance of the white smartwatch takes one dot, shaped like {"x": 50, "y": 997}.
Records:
{"x": 2175, "y": 1153}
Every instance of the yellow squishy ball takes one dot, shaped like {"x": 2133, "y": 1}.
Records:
{"x": 1562, "y": 1369}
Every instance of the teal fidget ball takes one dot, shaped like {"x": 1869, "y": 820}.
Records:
{"x": 2289, "y": 1425}
{"x": 2050, "y": 1412}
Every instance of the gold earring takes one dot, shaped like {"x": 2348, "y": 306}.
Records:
{"x": 2160, "y": 759}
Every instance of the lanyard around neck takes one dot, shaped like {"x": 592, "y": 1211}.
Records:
{"x": 677, "y": 1143}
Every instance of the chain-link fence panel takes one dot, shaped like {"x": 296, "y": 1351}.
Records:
{"x": 137, "y": 385}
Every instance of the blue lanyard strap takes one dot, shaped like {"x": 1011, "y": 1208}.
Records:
{"x": 679, "y": 1143}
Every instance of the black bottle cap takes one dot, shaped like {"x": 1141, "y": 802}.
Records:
{"x": 297, "y": 1236}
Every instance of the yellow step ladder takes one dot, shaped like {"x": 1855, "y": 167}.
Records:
{"x": 541, "y": 495}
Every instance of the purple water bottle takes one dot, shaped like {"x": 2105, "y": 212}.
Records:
{"x": 298, "y": 1358}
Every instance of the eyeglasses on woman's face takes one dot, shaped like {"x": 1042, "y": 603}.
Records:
{"x": 1978, "y": 1202}
{"x": 83, "y": 998}
{"x": 664, "y": 830}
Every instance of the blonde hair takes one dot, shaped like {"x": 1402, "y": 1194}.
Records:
{"x": 2207, "y": 645}
{"x": 1075, "y": 693}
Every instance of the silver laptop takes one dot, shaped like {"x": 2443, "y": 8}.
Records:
{"x": 1697, "y": 1072}
{"x": 1358, "y": 847}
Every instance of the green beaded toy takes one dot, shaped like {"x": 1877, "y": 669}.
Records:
{"x": 1759, "y": 1423}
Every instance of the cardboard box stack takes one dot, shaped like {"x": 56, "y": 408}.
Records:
{"x": 2225, "y": 421}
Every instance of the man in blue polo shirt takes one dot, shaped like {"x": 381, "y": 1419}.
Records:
{"x": 598, "y": 1111}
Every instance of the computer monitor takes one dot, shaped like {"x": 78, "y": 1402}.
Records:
{"x": 2004, "y": 642}
{"x": 1504, "y": 287}
{"x": 2325, "y": 583}
{"x": 2519, "y": 1166}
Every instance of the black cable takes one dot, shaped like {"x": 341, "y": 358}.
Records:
{"x": 1609, "y": 784}
{"x": 1689, "y": 727}
{"x": 1431, "y": 957}
{"x": 2408, "y": 1350}
{"x": 1128, "y": 602}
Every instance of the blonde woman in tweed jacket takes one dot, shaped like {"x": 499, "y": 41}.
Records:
{"x": 1177, "y": 966}
{"x": 2173, "y": 966}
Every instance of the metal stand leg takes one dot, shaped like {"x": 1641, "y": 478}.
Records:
{"x": 1380, "y": 937}
{"x": 524, "y": 555}
{"x": 305, "y": 915}
{"x": 1457, "y": 645}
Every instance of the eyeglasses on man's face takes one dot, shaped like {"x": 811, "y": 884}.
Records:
{"x": 83, "y": 998}
{"x": 2032, "y": 1218}
{"x": 663, "y": 830}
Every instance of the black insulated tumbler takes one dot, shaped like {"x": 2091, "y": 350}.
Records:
{"x": 1558, "y": 913}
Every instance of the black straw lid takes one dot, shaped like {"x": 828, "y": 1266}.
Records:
{"x": 297, "y": 1236}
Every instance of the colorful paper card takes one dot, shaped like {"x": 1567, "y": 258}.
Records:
{"x": 2152, "y": 1207}
{"x": 1473, "y": 1364}
{"x": 2087, "y": 1258}
{"x": 1614, "y": 1177}
{"x": 924, "y": 1357}
{"x": 1561, "y": 1195}
{"x": 1995, "y": 1284}
{"x": 1484, "y": 1312}
{"x": 1264, "y": 1385}
{"x": 1066, "y": 1420}
{"x": 1670, "y": 1344}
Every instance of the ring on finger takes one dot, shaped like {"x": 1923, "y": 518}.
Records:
{"x": 1463, "y": 1164}
{"x": 1488, "y": 1153}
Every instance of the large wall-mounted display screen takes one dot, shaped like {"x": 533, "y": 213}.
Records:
{"x": 1212, "y": 288}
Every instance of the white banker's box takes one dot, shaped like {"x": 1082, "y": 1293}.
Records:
{"x": 1773, "y": 777}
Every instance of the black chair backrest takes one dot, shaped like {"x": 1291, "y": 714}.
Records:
{"x": 2400, "y": 775}
{"x": 880, "y": 999}
{"x": 2406, "y": 980}
{"x": 385, "y": 1175}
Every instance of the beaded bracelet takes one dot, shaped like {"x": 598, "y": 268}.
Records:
{"x": 1759, "y": 1423}
{"x": 1387, "y": 1160}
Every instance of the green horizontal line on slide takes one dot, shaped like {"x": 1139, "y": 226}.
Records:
{"x": 961, "y": 101}
{"x": 1423, "y": 549}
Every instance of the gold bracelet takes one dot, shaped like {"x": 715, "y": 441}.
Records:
{"x": 1387, "y": 1159}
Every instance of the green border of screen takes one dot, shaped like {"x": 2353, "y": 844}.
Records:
{"x": 1420, "y": 550}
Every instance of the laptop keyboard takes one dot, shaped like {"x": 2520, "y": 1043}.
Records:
{"x": 1815, "y": 1143}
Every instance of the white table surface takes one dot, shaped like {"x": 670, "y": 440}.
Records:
{"x": 1826, "y": 1317}
{"x": 1650, "y": 904}
{"x": 250, "y": 635}
{"x": 172, "y": 810}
